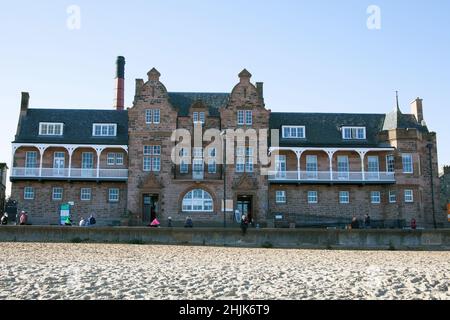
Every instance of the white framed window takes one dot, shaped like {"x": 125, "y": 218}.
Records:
{"x": 375, "y": 197}
{"x": 311, "y": 166}
{"x": 198, "y": 152}
{"x": 156, "y": 116}
{"x": 280, "y": 197}
{"x": 354, "y": 133}
{"x": 87, "y": 160}
{"x": 280, "y": 166}
{"x": 392, "y": 196}
{"x": 202, "y": 117}
{"x": 57, "y": 194}
{"x": 293, "y": 132}
{"x": 50, "y": 129}
{"x": 245, "y": 117}
{"x": 248, "y": 117}
{"x": 31, "y": 159}
{"x": 407, "y": 160}
{"x": 152, "y": 158}
{"x": 241, "y": 117}
{"x": 344, "y": 197}
{"x": 409, "y": 196}
{"x": 28, "y": 193}
{"x": 198, "y": 117}
{"x": 197, "y": 200}
{"x": 119, "y": 159}
{"x": 343, "y": 168}
{"x": 312, "y": 197}
{"x": 212, "y": 167}
{"x": 111, "y": 159}
{"x": 148, "y": 116}
{"x": 86, "y": 194}
{"x": 390, "y": 163}
{"x": 113, "y": 195}
{"x": 104, "y": 130}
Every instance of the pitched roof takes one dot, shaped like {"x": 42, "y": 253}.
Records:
{"x": 324, "y": 129}
{"x": 78, "y": 124}
{"x": 184, "y": 100}
{"x": 397, "y": 120}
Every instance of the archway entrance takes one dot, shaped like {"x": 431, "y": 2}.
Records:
{"x": 245, "y": 205}
{"x": 150, "y": 207}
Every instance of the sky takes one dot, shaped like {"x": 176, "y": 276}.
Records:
{"x": 313, "y": 56}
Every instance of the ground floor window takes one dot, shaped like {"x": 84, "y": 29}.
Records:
{"x": 392, "y": 196}
{"x": 57, "y": 194}
{"x": 86, "y": 194}
{"x": 197, "y": 200}
{"x": 312, "y": 197}
{"x": 280, "y": 196}
{"x": 375, "y": 197}
{"x": 28, "y": 193}
{"x": 409, "y": 197}
{"x": 113, "y": 195}
{"x": 344, "y": 197}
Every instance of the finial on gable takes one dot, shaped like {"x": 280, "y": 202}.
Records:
{"x": 153, "y": 75}
{"x": 245, "y": 76}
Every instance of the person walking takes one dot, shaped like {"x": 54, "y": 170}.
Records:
{"x": 355, "y": 223}
{"x": 244, "y": 224}
{"x": 92, "y": 220}
{"x": 23, "y": 219}
{"x": 188, "y": 223}
{"x": 367, "y": 221}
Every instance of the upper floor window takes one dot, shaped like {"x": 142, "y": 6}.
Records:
{"x": 197, "y": 200}
{"x": 50, "y": 129}
{"x": 28, "y": 193}
{"x": 244, "y": 159}
{"x": 344, "y": 197}
{"x": 354, "y": 133}
{"x": 407, "y": 160}
{"x": 152, "y": 116}
{"x": 390, "y": 163}
{"x": 57, "y": 194}
{"x": 199, "y": 117}
{"x": 280, "y": 197}
{"x": 104, "y": 130}
{"x": 115, "y": 159}
{"x": 245, "y": 117}
{"x": 152, "y": 158}
{"x": 409, "y": 196}
{"x": 375, "y": 197}
{"x": 294, "y": 132}
{"x": 113, "y": 195}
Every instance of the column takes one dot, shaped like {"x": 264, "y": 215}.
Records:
{"x": 362, "y": 154}
{"x": 298, "y": 153}
{"x": 70, "y": 151}
{"x": 330, "y": 156}
{"x": 41, "y": 151}
{"x": 99, "y": 152}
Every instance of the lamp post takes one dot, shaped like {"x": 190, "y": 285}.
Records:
{"x": 224, "y": 172}
{"x": 430, "y": 146}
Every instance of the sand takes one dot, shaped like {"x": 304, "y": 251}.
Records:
{"x": 99, "y": 271}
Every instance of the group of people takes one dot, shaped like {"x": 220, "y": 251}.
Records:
{"x": 188, "y": 223}
{"x": 21, "y": 219}
{"x": 83, "y": 222}
{"x": 355, "y": 223}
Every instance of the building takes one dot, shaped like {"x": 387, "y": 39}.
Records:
{"x": 3, "y": 172}
{"x": 445, "y": 190}
{"x": 131, "y": 165}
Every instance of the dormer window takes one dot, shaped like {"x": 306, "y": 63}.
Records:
{"x": 354, "y": 133}
{"x": 293, "y": 132}
{"x": 245, "y": 117}
{"x": 104, "y": 130}
{"x": 50, "y": 129}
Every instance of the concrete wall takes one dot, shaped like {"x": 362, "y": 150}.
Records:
{"x": 277, "y": 238}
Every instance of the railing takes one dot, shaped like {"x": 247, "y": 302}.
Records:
{"x": 334, "y": 176}
{"x": 75, "y": 173}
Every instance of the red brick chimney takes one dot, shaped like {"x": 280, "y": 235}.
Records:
{"x": 119, "y": 100}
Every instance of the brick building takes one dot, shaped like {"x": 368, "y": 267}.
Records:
{"x": 445, "y": 190}
{"x": 163, "y": 157}
{"x": 3, "y": 173}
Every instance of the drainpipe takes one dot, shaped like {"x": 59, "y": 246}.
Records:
{"x": 430, "y": 159}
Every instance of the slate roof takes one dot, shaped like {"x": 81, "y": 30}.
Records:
{"x": 324, "y": 129}
{"x": 397, "y": 120}
{"x": 78, "y": 125}
{"x": 184, "y": 100}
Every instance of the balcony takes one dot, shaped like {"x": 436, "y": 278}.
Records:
{"x": 69, "y": 174}
{"x": 327, "y": 177}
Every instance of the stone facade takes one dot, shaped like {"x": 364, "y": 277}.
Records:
{"x": 155, "y": 186}
{"x": 445, "y": 189}
{"x": 3, "y": 173}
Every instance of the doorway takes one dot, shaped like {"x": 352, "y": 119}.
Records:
{"x": 150, "y": 207}
{"x": 244, "y": 205}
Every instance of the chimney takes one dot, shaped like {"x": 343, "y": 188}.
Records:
{"x": 417, "y": 109}
{"x": 119, "y": 100}
{"x": 260, "y": 89}
{"x": 24, "y": 103}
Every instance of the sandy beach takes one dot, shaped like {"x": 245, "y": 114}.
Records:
{"x": 99, "y": 271}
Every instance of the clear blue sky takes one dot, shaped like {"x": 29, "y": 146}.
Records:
{"x": 311, "y": 55}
